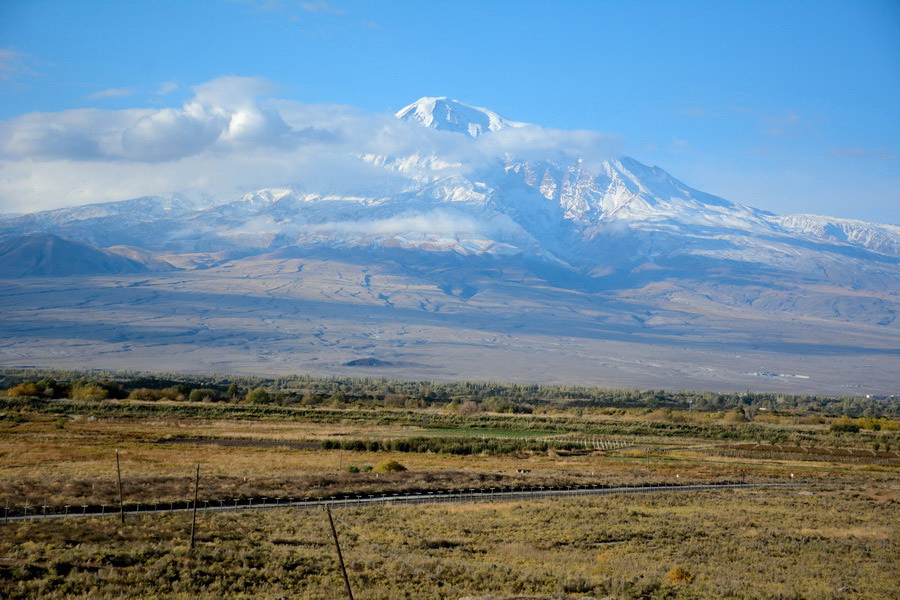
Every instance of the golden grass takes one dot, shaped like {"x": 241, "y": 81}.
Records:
{"x": 834, "y": 542}
{"x": 731, "y": 544}
{"x": 64, "y": 461}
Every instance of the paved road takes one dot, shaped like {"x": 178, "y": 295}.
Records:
{"x": 462, "y": 495}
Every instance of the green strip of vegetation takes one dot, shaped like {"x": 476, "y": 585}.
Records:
{"x": 452, "y": 445}
{"x": 465, "y": 397}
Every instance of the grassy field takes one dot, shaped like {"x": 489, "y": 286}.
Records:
{"x": 836, "y": 538}
{"x": 736, "y": 544}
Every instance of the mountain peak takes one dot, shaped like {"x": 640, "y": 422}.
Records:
{"x": 445, "y": 114}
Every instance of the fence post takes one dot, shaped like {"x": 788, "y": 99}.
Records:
{"x": 194, "y": 517}
{"x": 119, "y": 477}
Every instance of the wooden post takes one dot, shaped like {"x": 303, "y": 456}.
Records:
{"x": 337, "y": 545}
{"x": 121, "y": 501}
{"x": 194, "y": 517}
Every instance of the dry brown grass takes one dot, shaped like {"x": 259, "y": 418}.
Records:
{"x": 732, "y": 544}
{"x": 47, "y": 459}
{"x": 756, "y": 544}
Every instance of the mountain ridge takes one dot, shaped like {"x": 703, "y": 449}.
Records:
{"x": 47, "y": 255}
{"x": 476, "y": 263}
{"x": 546, "y": 200}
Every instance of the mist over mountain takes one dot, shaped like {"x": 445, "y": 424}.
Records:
{"x": 491, "y": 226}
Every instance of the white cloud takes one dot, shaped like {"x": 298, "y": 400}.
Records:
{"x": 170, "y": 134}
{"x": 880, "y": 153}
{"x": 533, "y": 142}
{"x": 288, "y": 6}
{"x": 323, "y": 7}
{"x": 13, "y": 64}
{"x": 437, "y": 222}
{"x": 232, "y": 136}
{"x": 121, "y": 92}
{"x": 788, "y": 124}
{"x": 166, "y": 87}
{"x": 82, "y": 134}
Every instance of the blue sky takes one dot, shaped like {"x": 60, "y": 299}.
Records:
{"x": 785, "y": 106}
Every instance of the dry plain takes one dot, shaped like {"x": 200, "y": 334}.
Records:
{"x": 833, "y": 538}
{"x": 275, "y": 317}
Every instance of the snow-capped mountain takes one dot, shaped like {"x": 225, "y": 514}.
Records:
{"x": 608, "y": 219}
{"x": 477, "y": 262}
{"x": 451, "y": 115}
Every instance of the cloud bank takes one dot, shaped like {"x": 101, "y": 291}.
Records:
{"x": 233, "y": 135}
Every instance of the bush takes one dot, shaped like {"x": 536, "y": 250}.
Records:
{"x": 203, "y": 395}
{"x": 145, "y": 394}
{"x": 844, "y": 427}
{"x": 28, "y": 388}
{"x": 469, "y": 408}
{"x": 735, "y": 416}
{"x": 176, "y": 393}
{"x": 88, "y": 392}
{"x": 258, "y": 396}
{"x": 679, "y": 575}
{"x": 389, "y": 466}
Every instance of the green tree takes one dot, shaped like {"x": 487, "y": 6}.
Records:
{"x": 88, "y": 391}
{"x": 203, "y": 395}
{"x": 258, "y": 396}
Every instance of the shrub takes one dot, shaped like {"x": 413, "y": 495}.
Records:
{"x": 871, "y": 424}
{"x": 735, "y": 416}
{"x": 203, "y": 395}
{"x": 176, "y": 393}
{"x": 679, "y": 575}
{"x": 845, "y": 427}
{"x": 469, "y": 408}
{"x": 145, "y": 394}
{"x": 88, "y": 392}
{"x": 258, "y": 396}
{"x": 389, "y": 466}
{"x": 28, "y": 388}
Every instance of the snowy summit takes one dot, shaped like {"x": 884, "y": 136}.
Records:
{"x": 452, "y": 115}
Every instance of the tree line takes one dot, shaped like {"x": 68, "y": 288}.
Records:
{"x": 466, "y": 397}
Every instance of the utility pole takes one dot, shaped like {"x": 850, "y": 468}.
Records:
{"x": 121, "y": 501}
{"x": 194, "y": 517}
{"x": 340, "y": 556}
